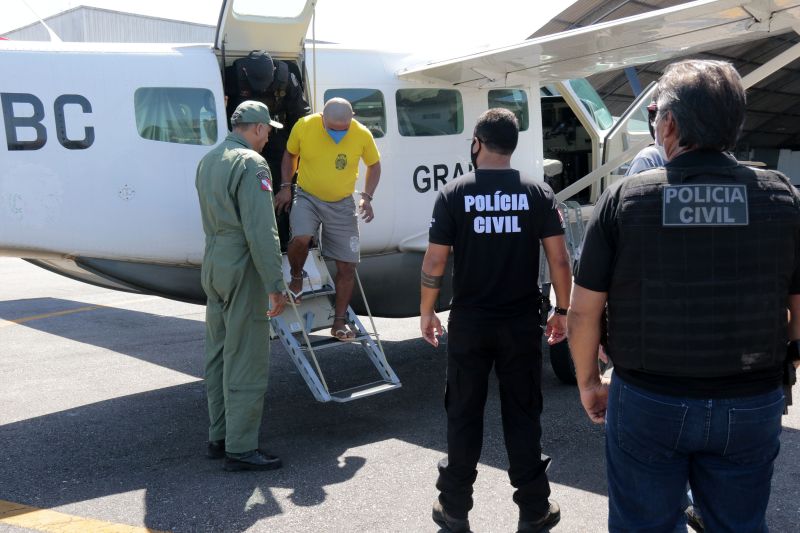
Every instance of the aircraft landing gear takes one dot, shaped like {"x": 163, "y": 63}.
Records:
{"x": 561, "y": 361}
{"x": 560, "y": 356}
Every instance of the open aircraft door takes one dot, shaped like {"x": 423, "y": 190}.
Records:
{"x": 620, "y": 143}
{"x": 575, "y": 122}
{"x": 628, "y": 136}
{"x": 278, "y": 26}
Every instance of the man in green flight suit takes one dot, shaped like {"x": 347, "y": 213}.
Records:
{"x": 243, "y": 282}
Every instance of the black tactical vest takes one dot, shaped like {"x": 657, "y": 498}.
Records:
{"x": 706, "y": 299}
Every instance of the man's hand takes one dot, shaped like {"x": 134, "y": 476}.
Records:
{"x": 431, "y": 328}
{"x": 276, "y": 302}
{"x": 283, "y": 200}
{"x": 594, "y": 399}
{"x": 556, "y": 329}
{"x": 365, "y": 209}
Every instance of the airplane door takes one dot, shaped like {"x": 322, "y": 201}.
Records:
{"x": 279, "y": 26}
{"x": 575, "y": 121}
{"x": 613, "y": 142}
{"x": 628, "y": 135}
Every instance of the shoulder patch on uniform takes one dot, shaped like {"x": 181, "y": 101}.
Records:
{"x": 265, "y": 179}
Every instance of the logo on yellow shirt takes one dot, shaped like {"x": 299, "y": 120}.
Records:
{"x": 341, "y": 161}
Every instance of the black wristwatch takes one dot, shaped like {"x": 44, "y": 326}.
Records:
{"x": 560, "y": 311}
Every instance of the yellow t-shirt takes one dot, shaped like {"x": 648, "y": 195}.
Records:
{"x": 329, "y": 170}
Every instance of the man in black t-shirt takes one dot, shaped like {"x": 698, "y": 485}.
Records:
{"x": 494, "y": 219}
{"x": 698, "y": 262}
{"x": 258, "y": 77}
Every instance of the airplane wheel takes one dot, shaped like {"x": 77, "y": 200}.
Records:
{"x": 561, "y": 361}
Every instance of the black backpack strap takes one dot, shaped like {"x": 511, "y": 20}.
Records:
{"x": 281, "y": 81}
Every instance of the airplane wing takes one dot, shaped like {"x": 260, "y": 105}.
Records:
{"x": 663, "y": 34}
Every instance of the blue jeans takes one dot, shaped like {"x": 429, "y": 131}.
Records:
{"x": 725, "y": 448}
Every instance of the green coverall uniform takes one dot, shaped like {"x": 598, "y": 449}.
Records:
{"x": 242, "y": 264}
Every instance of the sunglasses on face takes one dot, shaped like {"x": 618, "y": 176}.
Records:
{"x": 652, "y": 111}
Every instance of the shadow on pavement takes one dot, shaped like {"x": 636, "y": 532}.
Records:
{"x": 155, "y": 441}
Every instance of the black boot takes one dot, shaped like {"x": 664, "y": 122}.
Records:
{"x": 550, "y": 518}
{"x": 253, "y": 460}
{"x": 447, "y": 522}
{"x": 216, "y": 449}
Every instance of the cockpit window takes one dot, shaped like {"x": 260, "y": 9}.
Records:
{"x": 367, "y": 105}
{"x": 289, "y": 9}
{"x": 176, "y": 115}
{"x": 592, "y": 103}
{"x": 515, "y": 100}
{"x": 429, "y": 112}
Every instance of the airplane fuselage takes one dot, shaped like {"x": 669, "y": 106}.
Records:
{"x": 101, "y": 142}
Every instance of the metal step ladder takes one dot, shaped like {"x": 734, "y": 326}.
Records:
{"x": 574, "y": 228}
{"x": 315, "y": 312}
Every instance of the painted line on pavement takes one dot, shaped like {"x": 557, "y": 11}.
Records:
{"x": 15, "y": 514}
{"x": 17, "y": 321}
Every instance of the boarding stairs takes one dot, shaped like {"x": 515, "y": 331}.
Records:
{"x": 574, "y": 229}
{"x": 315, "y": 312}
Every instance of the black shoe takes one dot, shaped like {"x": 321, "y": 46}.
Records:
{"x": 216, "y": 449}
{"x": 447, "y": 522}
{"x": 544, "y": 523}
{"x": 254, "y": 460}
{"x": 694, "y": 519}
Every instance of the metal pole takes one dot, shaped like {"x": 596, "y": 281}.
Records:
{"x": 771, "y": 66}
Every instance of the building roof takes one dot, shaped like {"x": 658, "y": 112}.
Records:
{"x": 94, "y": 24}
{"x": 773, "y": 108}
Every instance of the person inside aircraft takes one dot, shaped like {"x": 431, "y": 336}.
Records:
{"x": 494, "y": 319}
{"x": 258, "y": 77}
{"x": 331, "y": 144}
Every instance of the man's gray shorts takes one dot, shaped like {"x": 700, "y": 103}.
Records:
{"x": 339, "y": 225}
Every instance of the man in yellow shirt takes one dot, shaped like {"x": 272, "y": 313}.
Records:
{"x": 331, "y": 145}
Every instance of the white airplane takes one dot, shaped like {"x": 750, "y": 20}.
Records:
{"x": 101, "y": 141}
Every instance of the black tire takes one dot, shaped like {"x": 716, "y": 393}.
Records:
{"x": 561, "y": 361}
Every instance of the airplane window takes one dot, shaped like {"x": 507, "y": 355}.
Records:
{"x": 638, "y": 121}
{"x": 515, "y": 100}
{"x": 429, "y": 112}
{"x": 176, "y": 115}
{"x": 592, "y": 102}
{"x": 367, "y": 105}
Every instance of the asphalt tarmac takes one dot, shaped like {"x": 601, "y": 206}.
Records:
{"x": 103, "y": 424}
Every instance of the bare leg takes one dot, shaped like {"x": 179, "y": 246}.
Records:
{"x": 297, "y": 253}
{"x": 345, "y": 278}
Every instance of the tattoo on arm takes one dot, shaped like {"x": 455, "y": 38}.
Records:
{"x": 432, "y": 282}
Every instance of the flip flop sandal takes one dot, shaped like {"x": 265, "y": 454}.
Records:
{"x": 343, "y": 334}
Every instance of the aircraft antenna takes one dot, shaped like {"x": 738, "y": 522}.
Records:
{"x": 53, "y": 36}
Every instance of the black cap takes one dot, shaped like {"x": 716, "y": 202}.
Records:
{"x": 259, "y": 69}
